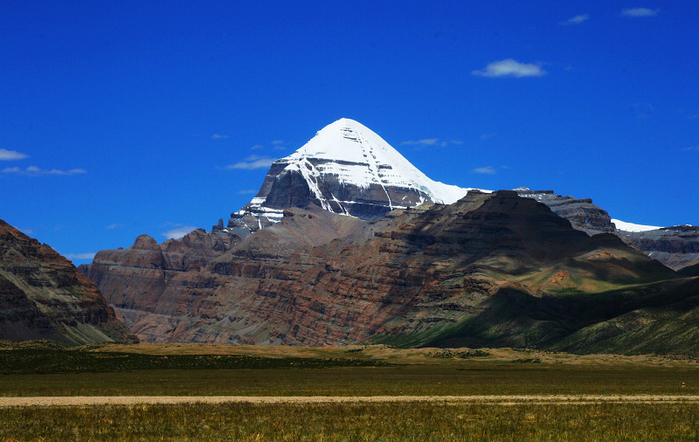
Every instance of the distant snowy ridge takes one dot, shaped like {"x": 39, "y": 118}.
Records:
{"x": 631, "y": 227}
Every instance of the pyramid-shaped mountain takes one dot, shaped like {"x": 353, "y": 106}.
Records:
{"x": 346, "y": 169}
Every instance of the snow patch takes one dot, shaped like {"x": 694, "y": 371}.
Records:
{"x": 631, "y": 227}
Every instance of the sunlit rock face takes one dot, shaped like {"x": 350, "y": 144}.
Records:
{"x": 43, "y": 296}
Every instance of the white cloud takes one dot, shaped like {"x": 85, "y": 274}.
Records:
{"x": 252, "y": 162}
{"x": 277, "y": 142}
{"x": 575, "y": 20}
{"x": 691, "y": 148}
{"x": 36, "y": 171}
{"x": 423, "y": 142}
{"x": 219, "y": 136}
{"x": 485, "y": 137}
{"x": 178, "y": 232}
{"x": 80, "y": 255}
{"x": 487, "y": 170}
{"x": 114, "y": 226}
{"x": 640, "y": 12}
{"x": 25, "y": 231}
{"x": 10, "y": 155}
{"x": 247, "y": 192}
{"x": 256, "y": 146}
{"x": 432, "y": 142}
{"x": 510, "y": 68}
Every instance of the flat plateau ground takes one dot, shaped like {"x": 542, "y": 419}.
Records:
{"x": 202, "y": 392}
{"x": 505, "y": 400}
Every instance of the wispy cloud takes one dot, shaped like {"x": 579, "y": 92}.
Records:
{"x": 423, "y": 142}
{"x": 578, "y": 19}
{"x": 114, "y": 226}
{"x": 80, "y": 255}
{"x": 36, "y": 171}
{"x": 178, "y": 232}
{"x": 510, "y": 68}
{"x": 256, "y": 146}
{"x": 278, "y": 145}
{"x": 639, "y": 12}
{"x": 247, "y": 192}
{"x": 432, "y": 142}
{"x": 219, "y": 136}
{"x": 487, "y": 170}
{"x": 11, "y": 155}
{"x": 252, "y": 162}
{"x": 686, "y": 149}
{"x": 486, "y": 137}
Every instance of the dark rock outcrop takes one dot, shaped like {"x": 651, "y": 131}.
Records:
{"x": 582, "y": 213}
{"x": 43, "y": 296}
{"x": 676, "y": 247}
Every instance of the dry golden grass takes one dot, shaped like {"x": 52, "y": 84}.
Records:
{"x": 412, "y": 356}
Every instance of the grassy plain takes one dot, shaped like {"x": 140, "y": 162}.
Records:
{"x": 347, "y": 371}
{"x": 353, "y": 422}
{"x": 216, "y": 370}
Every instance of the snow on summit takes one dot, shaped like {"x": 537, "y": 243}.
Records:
{"x": 347, "y": 169}
{"x": 357, "y": 155}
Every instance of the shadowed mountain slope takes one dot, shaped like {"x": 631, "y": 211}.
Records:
{"x": 43, "y": 296}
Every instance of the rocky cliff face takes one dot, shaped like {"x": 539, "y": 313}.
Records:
{"x": 316, "y": 278}
{"x": 43, "y": 296}
{"x": 676, "y": 247}
{"x": 582, "y": 213}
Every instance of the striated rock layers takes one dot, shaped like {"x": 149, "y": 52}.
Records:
{"x": 43, "y": 296}
{"x": 676, "y": 247}
{"x": 486, "y": 270}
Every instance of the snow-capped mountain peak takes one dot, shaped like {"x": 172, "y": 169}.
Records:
{"x": 348, "y": 169}
{"x": 359, "y": 156}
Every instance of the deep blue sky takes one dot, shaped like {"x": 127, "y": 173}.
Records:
{"x": 119, "y": 118}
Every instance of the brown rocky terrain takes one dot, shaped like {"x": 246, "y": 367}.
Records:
{"x": 485, "y": 270}
{"x": 43, "y": 296}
